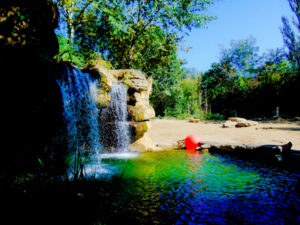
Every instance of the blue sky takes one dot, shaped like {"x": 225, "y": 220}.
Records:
{"x": 237, "y": 20}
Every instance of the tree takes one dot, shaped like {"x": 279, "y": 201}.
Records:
{"x": 118, "y": 29}
{"x": 247, "y": 84}
{"x": 74, "y": 15}
{"x": 169, "y": 17}
{"x": 136, "y": 34}
{"x": 242, "y": 56}
{"x": 189, "y": 95}
{"x": 165, "y": 93}
{"x": 291, "y": 40}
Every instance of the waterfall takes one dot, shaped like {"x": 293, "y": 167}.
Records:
{"x": 80, "y": 115}
{"x": 114, "y": 123}
{"x": 84, "y": 141}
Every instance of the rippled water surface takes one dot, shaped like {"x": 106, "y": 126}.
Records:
{"x": 180, "y": 187}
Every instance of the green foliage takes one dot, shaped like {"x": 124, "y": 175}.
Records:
{"x": 165, "y": 93}
{"x": 245, "y": 84}
{"x": 292, "y": 40}
{"x": 144, "y": 35}
{"x": 69, "y": 53}
{"x": 242, "y": 56}
{"x": 182, "y": 99}
{"x": 136, "y": 34}
{"x": 132, "y": 33}
{"x": 213, "y": 116}
{"x": 188, "y": 99}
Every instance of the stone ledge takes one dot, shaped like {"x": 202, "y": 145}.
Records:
{"x": 265, "y": 152}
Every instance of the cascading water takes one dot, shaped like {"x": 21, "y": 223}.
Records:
{"x": 81, "y": 117}
{"x": 114, "y": 123}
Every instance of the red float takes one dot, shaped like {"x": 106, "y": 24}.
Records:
{"x": 192, "y": 141}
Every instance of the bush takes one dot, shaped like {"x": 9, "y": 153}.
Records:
{"x": 214, "y": 116}
{"x": 183, "y": 116}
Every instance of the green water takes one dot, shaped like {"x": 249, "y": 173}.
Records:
{"x": 180, "y": 187}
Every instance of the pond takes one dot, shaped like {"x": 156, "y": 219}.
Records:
{"x": 190, "y": 187}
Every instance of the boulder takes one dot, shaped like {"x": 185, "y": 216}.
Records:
{"x": 236, "y": 119}
{"x": 179, "y": 144}
{"x": 140, "y": 98}
{"x": 138, "y": 129}
{"x": 238, "y": 122}
{"x": 141, "y": 112}
{"x": 143, "y": 144}
{"x": 135, "y": 79}
{"x": 194, "y": 120}
{"x": 229, "y": 124}
{"x": 107, "y": 77}
{"x": 247, "y": 123}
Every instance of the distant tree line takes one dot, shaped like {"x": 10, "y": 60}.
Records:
{"x": 245, "y": 84}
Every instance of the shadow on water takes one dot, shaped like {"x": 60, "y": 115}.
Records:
{"x": 84, "y": 202}
{"x": 174, "y": 187}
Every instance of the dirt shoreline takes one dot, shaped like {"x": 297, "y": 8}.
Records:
{"x": 165, "y": 133}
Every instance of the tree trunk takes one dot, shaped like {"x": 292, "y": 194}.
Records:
{"x": 131, "y": 53}
{"x": 206, "y": 102}
{"x": 200, "y": 100}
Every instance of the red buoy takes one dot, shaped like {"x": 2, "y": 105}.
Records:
{"x": 192, "y": 141}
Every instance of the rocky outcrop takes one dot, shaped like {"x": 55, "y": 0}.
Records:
{"x": 143, "y": 144}
{"x": 139, "y": 90}
{"x": 229, "y": 124}
{"x": 264, "y": 152}
{"x": 140, "y": 113}
{"x": 238, "y": 122}
{"x": 27, "y": 46}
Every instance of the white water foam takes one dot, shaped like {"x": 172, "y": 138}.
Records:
{"x": 119, "y": 155}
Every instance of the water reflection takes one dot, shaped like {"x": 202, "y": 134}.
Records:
{"x": 178, "y": 187}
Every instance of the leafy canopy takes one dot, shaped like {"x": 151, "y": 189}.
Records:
{"x": 131, "y": 33}
{"x": 292, "y": 40}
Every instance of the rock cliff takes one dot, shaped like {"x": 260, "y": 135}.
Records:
{"x": 139, "y": 109}
{"x": 27, "y": 30}
{"x": 32, "y": 103}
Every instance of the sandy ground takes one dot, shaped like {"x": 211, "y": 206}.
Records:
{"x": 167, "y": 132}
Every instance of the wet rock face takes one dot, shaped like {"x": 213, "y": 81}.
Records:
{"x": 139, "y": 90}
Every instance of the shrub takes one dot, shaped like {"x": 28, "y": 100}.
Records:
{"x": 214, "y": 116}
